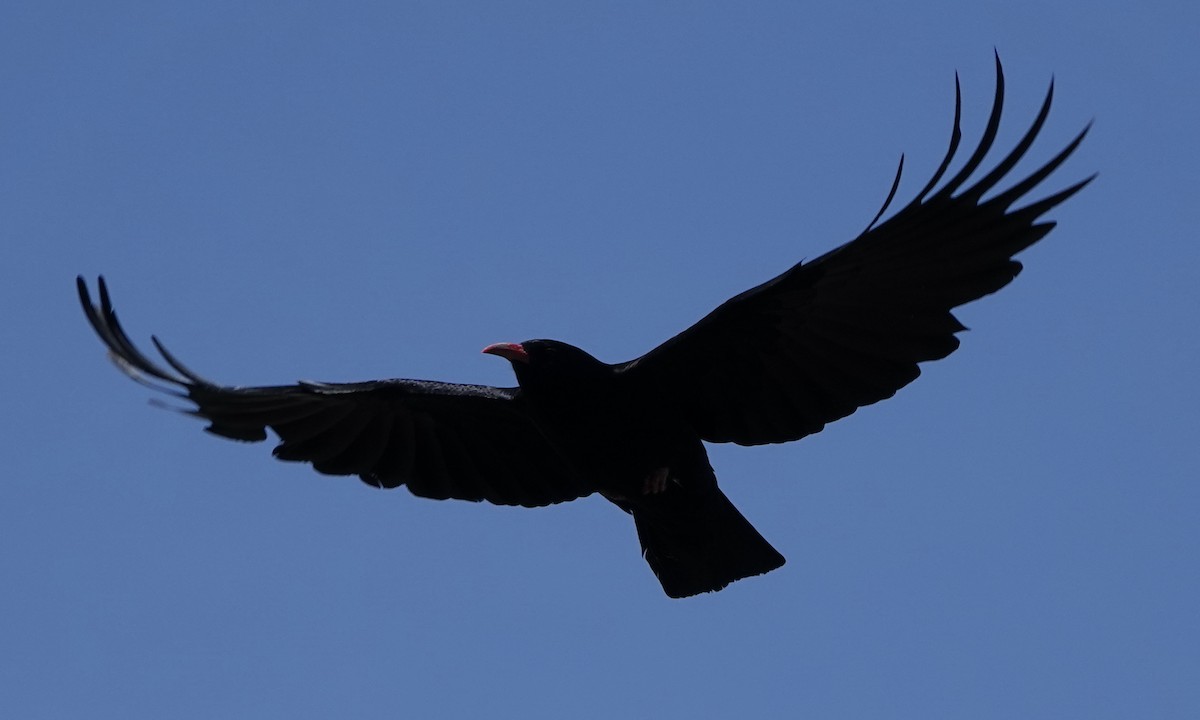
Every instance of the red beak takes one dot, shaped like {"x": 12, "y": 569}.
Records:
{"x": 513, "y": 352}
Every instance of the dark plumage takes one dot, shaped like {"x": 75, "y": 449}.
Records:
{"x": 773, "y": 364}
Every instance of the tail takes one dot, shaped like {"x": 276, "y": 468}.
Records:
{"x": 698, "y": 542}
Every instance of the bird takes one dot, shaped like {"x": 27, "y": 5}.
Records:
{"x": 773, "y": 364}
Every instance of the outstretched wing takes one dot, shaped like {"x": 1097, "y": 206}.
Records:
{"x": 442, "y": 440}
{"x": 814, "y": 344}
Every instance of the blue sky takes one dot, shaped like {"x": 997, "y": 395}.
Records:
{"x": 346, "y": 191}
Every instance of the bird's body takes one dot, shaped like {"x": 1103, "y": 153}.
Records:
{"x": 615, "y": 435}
{"x": 772, "y": 364}
{"x": 632, "y": 445}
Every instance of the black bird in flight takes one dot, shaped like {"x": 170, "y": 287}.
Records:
{"x": 770, "y": 365}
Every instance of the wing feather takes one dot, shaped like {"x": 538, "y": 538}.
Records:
{"x": 442, "y": 440}
{"x": 849, "y": 328}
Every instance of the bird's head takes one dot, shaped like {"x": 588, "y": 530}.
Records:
{"x": 549, "y": 362}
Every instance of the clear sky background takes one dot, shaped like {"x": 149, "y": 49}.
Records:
{"x": 347, "y": 191}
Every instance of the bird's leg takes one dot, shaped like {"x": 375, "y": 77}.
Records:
{"x": 655, "y": 482}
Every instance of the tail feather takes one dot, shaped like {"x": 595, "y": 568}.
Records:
{"x": 698, "y": 542}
